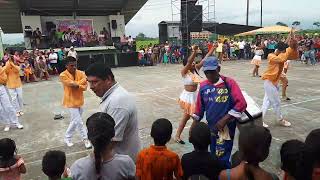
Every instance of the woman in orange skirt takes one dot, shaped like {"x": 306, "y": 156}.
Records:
{"x": 256, "y": 61}
{"x": 188, "y": 96}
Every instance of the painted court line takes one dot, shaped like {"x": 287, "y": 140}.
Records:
{"x": 301, "y": 102}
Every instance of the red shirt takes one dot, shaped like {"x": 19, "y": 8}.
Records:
{"x": 158, "y": 163}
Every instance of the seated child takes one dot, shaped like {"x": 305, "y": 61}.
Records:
{"x": 200, "y": 161}
{"x": 157, "y": 162}
{"x": 54, "y": 165}
{"x": 11, "y": 165}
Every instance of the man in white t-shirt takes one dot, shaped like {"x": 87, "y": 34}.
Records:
{"x": 120, "y": 105}
{"x": 130, "y": 41}
{"x": 73, "y": 52}
{"x": 241, "y": 48}
{"x": 53, "y": 59}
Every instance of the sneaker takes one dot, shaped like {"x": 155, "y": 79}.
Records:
{"x": 19, "y": 126}
{"x": 284, "y": 123}
{"x": 265, "y": 125}
{"x": 68, "y": 142}
{"x": 87, "y": 144}
{"x": 286, "y": 99}
{"x": 7, "y": 128}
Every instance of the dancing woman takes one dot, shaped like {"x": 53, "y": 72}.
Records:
{"x": 188, "y": 96}
{"x": 256, "y": 61}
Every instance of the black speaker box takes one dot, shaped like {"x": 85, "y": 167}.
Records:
{"x": 163, "y": 32}
{"x": 114, "y": 24}
{"x": 191, "y": 16}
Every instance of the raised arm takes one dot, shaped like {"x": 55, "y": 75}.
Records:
{"x": 211, "y": 51}
{"x": 188, "y": 66}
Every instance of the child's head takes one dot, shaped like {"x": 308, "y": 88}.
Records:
{"x": 7, "y": 149}
{"x": 313, "y": 147}
{"x": 161, "y": 131}
{"x": 100, "y": 132}
{"x": 254, "y": 144}
{"x": 293, "y": 159}
{"x": 53, "y": 164}
{"x": 200, "y": 136}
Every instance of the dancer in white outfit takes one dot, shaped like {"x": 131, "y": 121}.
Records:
{"x": 14, "y": 85}
{"x": 7, "y": 112}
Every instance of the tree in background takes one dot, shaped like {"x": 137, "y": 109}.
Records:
{"x": 141, "y": 36}
{"x": 296, "y": 24}
{"x": 281, "y": 24}
{"x": 317, "y": 24}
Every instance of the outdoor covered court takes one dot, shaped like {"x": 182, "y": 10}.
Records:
{"x": 156, "y": 90}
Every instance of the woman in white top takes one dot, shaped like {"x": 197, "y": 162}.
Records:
{"x": 103, "y": 163}
{"x": 256, "y": 61}
{"x": 219, "y": 50}
{"x": 188, "y": 96}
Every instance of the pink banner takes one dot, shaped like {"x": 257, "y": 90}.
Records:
{"x": 84, "y": 26}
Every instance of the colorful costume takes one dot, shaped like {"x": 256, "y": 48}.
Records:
{"x": 187, "y": 99}
{"x": 217, "y": 101}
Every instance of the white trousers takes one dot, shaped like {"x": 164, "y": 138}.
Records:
{"x": 7, "y": 112}
{"x": 16, "y": 98}
{"x": 271, "y": 97}
{"x": 76, "y": 123}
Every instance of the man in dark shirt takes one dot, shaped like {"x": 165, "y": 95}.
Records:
{"x": 200, "y": 162}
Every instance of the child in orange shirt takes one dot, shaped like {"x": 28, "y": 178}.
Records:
{"x": 157, "y": 162}
{"x": 11, "y": 165}
{"x": 28, "y": 71}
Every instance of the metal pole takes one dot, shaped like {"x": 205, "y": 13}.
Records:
{"x": 209, "y": 10}
{"x": 247, "y": 21}
{"x": 172, "y": 9}
{"x": 1, "y": 45}
{"x": 261, "y": 14}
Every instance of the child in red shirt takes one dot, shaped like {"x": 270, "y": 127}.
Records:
{"x": 157, "y": 162}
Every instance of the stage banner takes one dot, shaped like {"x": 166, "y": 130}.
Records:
{"x": 84, "y": 26}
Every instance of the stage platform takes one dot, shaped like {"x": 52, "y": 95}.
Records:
{"x": 108, "y": 55}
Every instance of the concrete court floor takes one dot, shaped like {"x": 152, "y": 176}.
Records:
{"x": 156, "y": 90}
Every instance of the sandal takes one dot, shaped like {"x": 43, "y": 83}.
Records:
{"x": 284, "y": 123}
{"x": 179, "y": 141}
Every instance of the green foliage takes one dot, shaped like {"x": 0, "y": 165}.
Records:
{"x": 281, "y": 24}
{"x": 296, "y": 23}
{"x": 146, "y": 43}
{"x": 317, "y": 24}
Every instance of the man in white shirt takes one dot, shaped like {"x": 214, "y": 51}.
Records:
{"x": 120, "y": 105}
{"x": 73, "y": 52}
{"x": 241, "y": 48}
{"x": 53, "y": 59}
{"x": 130, "y": 41}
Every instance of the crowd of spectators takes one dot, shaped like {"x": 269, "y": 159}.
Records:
{"x": 228, "y": 49}
{"x": 38, "y": 64}
{"x": 57, "y": 38}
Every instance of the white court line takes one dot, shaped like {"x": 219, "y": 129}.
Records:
{"x": 310, "y": 100}
{"x": 306, "y": 109}
{"x": 277, "y": 139}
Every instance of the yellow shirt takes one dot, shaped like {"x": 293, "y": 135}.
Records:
{"x": 3, "y": 76}
{"x": 73, "y": 96}
{"x": 13, "y": 75}
{"x": 276, "y": 63}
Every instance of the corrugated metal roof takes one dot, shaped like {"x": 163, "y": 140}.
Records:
{"x": 10, "y": 20}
